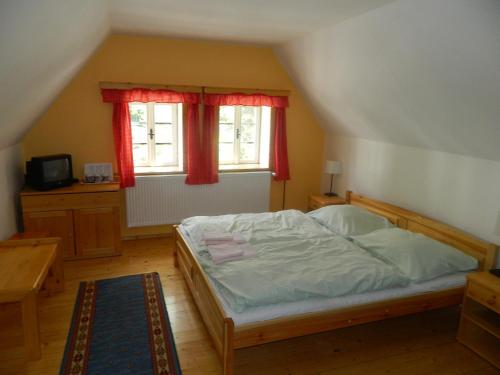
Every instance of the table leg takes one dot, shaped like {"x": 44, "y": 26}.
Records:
{"x": 55, "y": 279}
{"x": 31, "y": 328}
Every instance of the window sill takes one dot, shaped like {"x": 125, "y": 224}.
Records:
{"x": 242, "y": 168}
{"x": 145, "y": 171}
{"x": 156, "y": 171}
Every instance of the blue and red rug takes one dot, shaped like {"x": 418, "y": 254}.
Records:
{"x": 121, "y": 326}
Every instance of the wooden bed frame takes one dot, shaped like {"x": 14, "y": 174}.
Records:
{"x": 227, "y": 337}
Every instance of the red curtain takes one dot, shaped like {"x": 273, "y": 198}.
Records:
{"x": 122, "y": 131}
{"x": 210, "y": 144}
{"x": 193, "y": 159}
{"x": 148, "y": 95}
{"x": 281, "y": 170}
{"x": 280, "y": 103}
{"x": 246, "y": 99}
{"x": 202, "y": 165}
{"x": 201, "y": 144}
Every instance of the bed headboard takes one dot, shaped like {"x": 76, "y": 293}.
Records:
{"x": 483, "y": 251}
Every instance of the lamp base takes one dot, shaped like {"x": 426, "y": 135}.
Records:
{"x": 330, "y": 194}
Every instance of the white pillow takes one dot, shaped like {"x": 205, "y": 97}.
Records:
{"x": 348, "y": 220}
{"x": 418, "y": 257}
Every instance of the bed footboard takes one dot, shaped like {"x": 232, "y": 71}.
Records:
{"x": 218, "y": 324}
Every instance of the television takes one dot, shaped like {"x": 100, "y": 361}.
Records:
{"x": 49, "y": 172}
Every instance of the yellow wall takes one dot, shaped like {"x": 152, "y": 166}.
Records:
{"x": 80, "y": 124}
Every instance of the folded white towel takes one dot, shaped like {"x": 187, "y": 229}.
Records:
{"x": 236, "y": 238}
{"x": 224, "y": 252}
{"x": 214, "y": 238}
{"x": 248, "y": 251}
{"x": 228, "y": 251}
{"x": 217, "y": 236}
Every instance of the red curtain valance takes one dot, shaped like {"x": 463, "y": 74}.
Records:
{"x": 246, "y": 99}
{"x": 148, "y": 95}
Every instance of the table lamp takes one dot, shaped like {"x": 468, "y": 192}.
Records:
{"x": 332, "y": 167}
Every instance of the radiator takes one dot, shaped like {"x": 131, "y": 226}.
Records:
{"x": 157, "y": 200}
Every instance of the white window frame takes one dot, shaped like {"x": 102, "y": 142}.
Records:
{"x": 236, "y": 141}
{"x": 151, "y": 141}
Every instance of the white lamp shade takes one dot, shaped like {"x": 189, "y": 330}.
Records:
{"x": 333, "y": 167}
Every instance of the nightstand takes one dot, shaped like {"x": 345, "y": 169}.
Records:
{"x": 479, "y": 328}
{"x": 318, "y": 201}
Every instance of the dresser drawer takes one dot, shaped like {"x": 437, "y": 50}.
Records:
{"x": 484, "y": 296}
{"x": 49, "y": 202}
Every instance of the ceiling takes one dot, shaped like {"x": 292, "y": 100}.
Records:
{"x": 45, "y": 42}
{"x": 419, "y": 73}
{"x": 423, "y": 73}
{"x": 254, "y": 21}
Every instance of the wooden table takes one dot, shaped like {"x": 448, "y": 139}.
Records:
{"x": 25, "y": 266}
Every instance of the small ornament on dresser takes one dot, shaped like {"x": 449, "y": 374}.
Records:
{"x": 98, "y": 173}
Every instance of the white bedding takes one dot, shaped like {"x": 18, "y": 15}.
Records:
{"x": 252, "y": 315}
{"x": 255, "y": 314}
{"x": 296, "y": 258}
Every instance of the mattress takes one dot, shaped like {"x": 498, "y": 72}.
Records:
{"x": 310, "y": 305}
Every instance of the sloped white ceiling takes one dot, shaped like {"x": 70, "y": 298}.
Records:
{"x": 421, "y": 73}
{"x": 424, "y": 73}
{"x": 254, "y": 21}
{"x": 43, "y": 43}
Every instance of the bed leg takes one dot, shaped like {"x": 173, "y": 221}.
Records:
{"x": 228, "y": 355}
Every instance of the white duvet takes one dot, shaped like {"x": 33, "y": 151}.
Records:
{"x": 297, "y": 259}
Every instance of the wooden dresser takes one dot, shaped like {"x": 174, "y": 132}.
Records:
{"x": 85, "y": 217}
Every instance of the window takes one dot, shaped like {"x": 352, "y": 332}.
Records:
{"x": 156, "y": 136}
{"x": 244, "y": 134}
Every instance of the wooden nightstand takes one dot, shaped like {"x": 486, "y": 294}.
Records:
{"x": 479, "y": 327}
{"x": 318, "y": 201}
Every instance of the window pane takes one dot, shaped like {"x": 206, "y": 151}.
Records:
{"x": 164, "y": 154}
{"x": 226, "y": 152}
{"x": 163, "y": 113}
{"x": 248, "y": 115}
{"x": 140, "y": 152}
{"x": 163, "y": 133}
{"x": 226, "y": 133}
{"x": 139, "y": 133}
{"x": 248, "y": 133}
{"x": 226, "y": 115}
{"x": 138, "y": 114}
{"x": 247, "y": 152}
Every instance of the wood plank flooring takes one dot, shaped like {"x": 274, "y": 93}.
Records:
{"x": 418, "y": 344}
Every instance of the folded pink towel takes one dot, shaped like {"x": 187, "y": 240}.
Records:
{"x": 224, "y": 252}
{"x": 230, "y": 251}
{"x": 217, "y": 236}
{"x": 213, "y": 238}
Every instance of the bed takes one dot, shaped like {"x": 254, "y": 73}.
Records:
{"x": 230, "y": 331}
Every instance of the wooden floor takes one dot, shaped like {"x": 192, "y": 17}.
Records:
{"x": 418, "y": 344}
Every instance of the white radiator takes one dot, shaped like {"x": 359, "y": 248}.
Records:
{"x": 157, "y": 200}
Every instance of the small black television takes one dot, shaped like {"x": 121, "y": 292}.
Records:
{"x": 49, "y": 172}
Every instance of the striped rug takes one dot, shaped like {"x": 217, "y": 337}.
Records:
{"x": 120, "y": 326}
